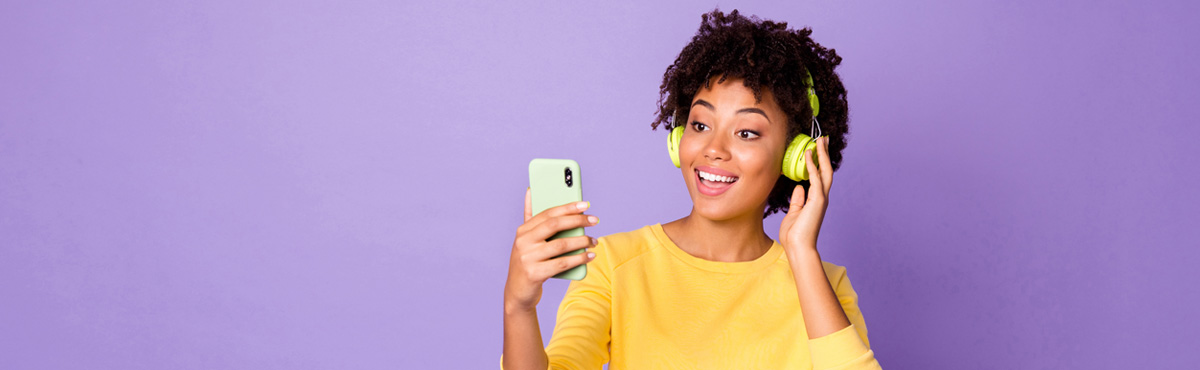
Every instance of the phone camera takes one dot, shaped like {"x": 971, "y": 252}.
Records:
{"x": 567, "y": 176}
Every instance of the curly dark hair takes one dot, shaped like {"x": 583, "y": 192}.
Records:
{"x": 765, "y": 54}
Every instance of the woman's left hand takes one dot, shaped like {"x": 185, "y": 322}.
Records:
{"x": 800, "y": 227}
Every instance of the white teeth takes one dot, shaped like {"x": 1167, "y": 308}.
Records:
{"x": 712, "y": 177}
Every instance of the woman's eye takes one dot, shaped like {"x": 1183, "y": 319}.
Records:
{"x": 699, "y": 126}
{"x": 747, "y": 134}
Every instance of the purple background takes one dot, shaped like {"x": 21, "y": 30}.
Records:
{"x": 288, "y": 184}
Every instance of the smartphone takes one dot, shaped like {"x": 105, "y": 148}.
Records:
{"x": 552, "y": 183}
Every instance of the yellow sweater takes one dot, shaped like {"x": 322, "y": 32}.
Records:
{"x": 646, "y": 304}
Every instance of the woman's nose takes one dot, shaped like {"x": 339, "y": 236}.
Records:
{"x": 716, "y": 147}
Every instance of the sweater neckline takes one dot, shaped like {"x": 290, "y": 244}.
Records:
{"x": 760, "y": 263}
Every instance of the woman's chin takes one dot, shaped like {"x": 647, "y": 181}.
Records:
{"x": 716, "y": 210}
{"x": 725, "y": 206}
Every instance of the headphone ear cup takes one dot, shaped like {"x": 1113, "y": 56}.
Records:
{"x": 673, "y": 144}
{"x": 794, "y": 166}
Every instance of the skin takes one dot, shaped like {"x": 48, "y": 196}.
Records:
{"x": 729, "y": 227}
{"x": 729, "y": 130}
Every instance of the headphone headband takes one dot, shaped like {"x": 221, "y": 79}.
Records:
{"x": 812, "y": 94}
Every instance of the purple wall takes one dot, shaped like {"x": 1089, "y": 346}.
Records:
{"x": 303, "y": 185}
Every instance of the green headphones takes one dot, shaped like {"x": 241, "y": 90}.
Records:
{"x": 794, "y": 166}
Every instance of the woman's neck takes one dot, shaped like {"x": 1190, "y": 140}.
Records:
{"x": 734, "y": 240}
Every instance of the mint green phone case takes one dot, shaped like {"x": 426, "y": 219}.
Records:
{"x": 554, "y": 182}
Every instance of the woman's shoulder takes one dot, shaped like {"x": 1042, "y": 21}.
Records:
{"x": 833, "y": 269}
{"x": 620, "y": 247}
{"x": 834, "y": 272}
{"x": 838, "y": 278}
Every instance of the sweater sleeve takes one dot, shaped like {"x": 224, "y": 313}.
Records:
{"x": 847, "y": 348}
{"x": 581, "y": 331}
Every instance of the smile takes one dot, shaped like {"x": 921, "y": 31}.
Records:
{"x": 712, "y": 184}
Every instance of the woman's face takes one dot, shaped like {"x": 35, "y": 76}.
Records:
{"x": 740, "y": 141}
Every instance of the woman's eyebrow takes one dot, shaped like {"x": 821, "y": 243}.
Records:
{"x": 740, "y": 111}
{"x": 755, "y": 110}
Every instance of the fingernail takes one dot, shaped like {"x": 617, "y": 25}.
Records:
{"x": 591, "y": 255}
{"x": 583, "y": 205}
{"x": 593, "y": 240}
{"x": 593, "y": 220}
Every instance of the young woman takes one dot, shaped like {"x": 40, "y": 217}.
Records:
{"x": 711, "y": 290}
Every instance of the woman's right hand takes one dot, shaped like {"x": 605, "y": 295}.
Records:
{"x": 533, "y": 261}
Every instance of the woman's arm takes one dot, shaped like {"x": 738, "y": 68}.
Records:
{"x": 847, "y": 348}
{"x": 823, "y": 314}
{"x": 522, "y": 340}
{"x": 581, "y": 331}
{"x": 833, "y": 341}
{"x": 798, "y": 234}
{"x": 533, "y": 261}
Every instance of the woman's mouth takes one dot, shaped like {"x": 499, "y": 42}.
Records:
{"x": 712, "y": 184}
